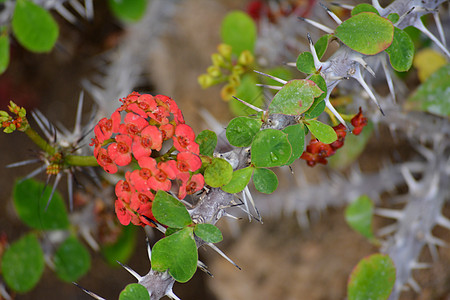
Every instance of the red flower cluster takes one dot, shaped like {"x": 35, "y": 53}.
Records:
{"x": 317, "y": 152}
{"x": 149, "y": 121}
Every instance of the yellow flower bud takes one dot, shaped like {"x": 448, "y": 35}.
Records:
{"x": 205, "y": 81}
{"x": 246, "y": 58}
{"x": 234, "y": 80}
{"x": 227, "y": 92}
{"x": 225, "y": 51}
{"x": 217, "y": 59}
{"x": 214, "y": 71}
{"x": 238, "y": 70}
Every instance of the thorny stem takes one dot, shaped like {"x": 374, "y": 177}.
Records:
{"x": 81, "y": 161}
{"x": 39, "y": 141}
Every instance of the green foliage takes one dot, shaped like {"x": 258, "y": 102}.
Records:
{"x": 169, "y": 211}
{"x": 4, "y": 52}
{"x": 241, "y": 130}
{"x": 321, "y": 131}
{"x": 207, "y": 140}
{"x": 295, "y": 97}
{"x": 134, "y": 291}
{"x": 22, "y": 264}
{"x": 318, "y": 105}
{"x": 366, "y": 32}
{"x": 128, "y": 10}
{"x": 432, "y": 96}
{"x": 322, "y": 44}
{"x": 176, "y": 253}
{"x": 34, "y": 27}
{"x": 239, "y": 31}
{"x": 265, "y": 180}
{"x": 401, "y": 51}
{"x": 296, "y": 137}
{"x": 364, "y": 7}
{"x": 305, "y": 63}
{"x": 249, "y": 92}
{"x": 218, "y": 173}
{"x": 123, "y": 248}
{"x": 208, "y": 232}
{"x": 270, "y": 148}
{"x": 30, "y": 200}
{"x": 394, "y": 17}
{"x": 72, "y": 260}
{"x": 359, "y": 215}
{"x": 239, "y": 180}
{"x": 372, "y": 278}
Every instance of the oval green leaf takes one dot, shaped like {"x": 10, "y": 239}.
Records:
{"x": 239, "y": 180}
{"x": 270, "y": 148}
{"x": 208, "y": 232}
{"x": 122, "y": 249}
{"x": 394, "y": 17}
{"x": 321, "y": 131}
{"x": 177, "y": 253}
{"x": 366, "y": 32}
{"x": 218, "y": 173}
{"x": 296, "y": 137}
{"x": 72, "y": 260}
{"x": 134, "y": 291}
{"x": 295, "y": 97}
{"x": 364, "y": 7}
{"x": 30, "y": 202}
{"x": 322, "y": 44}
{"x": 241, "y": 131}
{"x": 128, "y": 10}
{"x": 239, "y": 31}
{"x": 22, "y": 264}
{"x": 305, "y": 63}
{"x": 359, "y": 215}
{"x": 34, "y": 27}
{"x": 372, "y": 278}
{"x": 318, "y": 105}
{"x": 401, "y": 51}
{"x": 207, "y": 140}
{"x": 265, "y": 180}
{"x": 169, "y": 211}
{"x": 4, "y": 52}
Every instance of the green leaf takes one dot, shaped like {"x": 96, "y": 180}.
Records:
{"x": 295, "y": 97}
{"x": 394, "y": 17}
{"x": 4, "y": 52}
{"x": 432, "y": 96}
{"x": 270, "y": 148}
{"x": 170, "y": 231}
{"x": 265, "y": 180}
{"x": 372, "y": 278}
{"x": 208, "y": 232}
{"x": 169, "y": 211}
{"x": 366, "y": 33}
{"x": 177, "y": 253}
{"x": 305, "y": 63}
{"x": 296, "y": 137}
{"x": 239, "y": 180}
{"x": 22, "y": 264}
{"x": 278, "y": 72}
{"x": 318, "y": 105}
{"x": 321, "y": 131}
{"x": 134, "y": 291}
{"x": 72, "y": 260}
{"x": 34, "y": 27}
{"x": 123, "y": 248}
{"x": 241, "y": 130}
{"x": 239, "y": 31}
{"x": 250, "y": 93}
{"x": 359, "y": 215}
{"x": 218, "y": 173}
{"x": 207, "y": 140}
{"x": 30, "y": 202}
{"x": 354, "y": 145}
{"x": 401, "y": 51}
{"x": 322, "y": 44}
{"x": 128, "y": 10}
{"x": 364, "y": 7}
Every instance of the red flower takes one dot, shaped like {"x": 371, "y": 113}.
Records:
{"x": 358, "y": 122}
{"x": 184, "y": 139}
{"x": 120, "y": 152}
{"x": 139, "y": 178}
{"x": 139, "y": 199}
{"x": 146, "y": 210}
{"x": 105, "y": 161}
{"x": 133, "y": 124}
{"x": 317, "y": 152}
{"x": 122, "y": 213}
{"x": 106, "y": 127}
{"x": 190, "y": 186}
{"x": 167, "y": 130}
{"x": 187, "y": 161}
{"x": 151, "y": 138}
{"x": 161, "y": 176}
{"x": 341, "y": 133}
{"x": 173, "y": 108}
{"x": 124, "y": 190}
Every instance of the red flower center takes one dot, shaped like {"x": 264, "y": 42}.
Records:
{"x": 143, "y": 198}
{"x": 191, "y": 187}
{"x": 146, "y": 142}
{"x": 143, "y": 105}
{"x": 126, "y": 186}
{"x": 182, "y": 166}
{"x": 107, "y": 126}
{"x": 161, "y": 176}
{"x": 132, "y": 129}
{"x": 184, "y": 142}
{"x": 145, "y": 173}
{"x": 105, "y": 158}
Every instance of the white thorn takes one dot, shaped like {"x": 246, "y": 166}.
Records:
{"x": 65, "y": 13}
{"x": 78, "y": 8}
{"x": 44, "y": 129}
{"x": 214, "y": 247}
{"x": 363, "y": 63}
{"x": 388, "y": 229}
{"x": 225, "y": 214}
{"x": 23, "y": 163}
{"x": 244, "y": 197}
{"x": 387, "y": 74}
{"x": 419, "y": 25}
{"x": 332, "y": 14}
{"x": 77, "y": 128}
{"x": 335, "y": 113}
{"x": 377, "y": 5}
{"x": 55, "y": 185}
{"x": 149, "y": 250}
{"x": 131, "y": 271}
{"x": 95, "y": 296}
{"x": 317, "y": 25}
{"x": 435, "y": 241}
{"x": 389, "y": 213}
{"x": 439, "y": 28}
{"x": 346, "y": 6}
{"x": 443, "y": 221}
{"x": 415, "y": 286}
{"x": 291, "y": 64}
{"x": 204, "y": 268}
{"x": 317, "y": 63}
{"x": 171, "y": 295}
{"x": 248, "y": 104}
{"x": 271, "y": 77}
{"x": 361, "y": 81}
{"x": 33, "y": 173}
{"x": 249, "y": 195}
{"x": 273, "y": 87}
{"x": 409, "y": 179}
{"x": 417, "y": 265}
{"x": 3, "y": 292}
{"x": 70, "y": 189}
{"x": 86, "y": 234}
{"x": 433, "y": 252}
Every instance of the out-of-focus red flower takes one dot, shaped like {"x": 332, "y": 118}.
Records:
{"x": 358, "y": 122}
{"x": 341, "y": 132}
